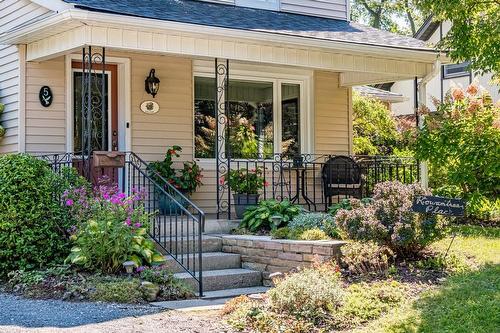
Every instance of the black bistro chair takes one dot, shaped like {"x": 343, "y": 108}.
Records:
{"x": 341, "y": 175}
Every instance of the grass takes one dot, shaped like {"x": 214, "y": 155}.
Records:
{"x": 468, "y": 302}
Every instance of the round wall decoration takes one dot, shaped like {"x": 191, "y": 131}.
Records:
{"x": 150, "y": 107}
{"x": 45, "y": 96}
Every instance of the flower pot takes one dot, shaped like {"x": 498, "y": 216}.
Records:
{"x": 242, "y": 201}
{"x": 167, "y": 206}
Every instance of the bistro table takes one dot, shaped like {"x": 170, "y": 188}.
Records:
{"x": 300, "y": 184}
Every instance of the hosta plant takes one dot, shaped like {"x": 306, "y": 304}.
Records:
{"x": 269, "y": 215}
{"x": 113, "y": 230}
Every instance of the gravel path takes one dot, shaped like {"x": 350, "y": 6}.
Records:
{"x": 26, "y": 315}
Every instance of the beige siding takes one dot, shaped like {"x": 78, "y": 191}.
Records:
{"x": 326, "y": 8}
{"x": 331, "y": 115}
{"x": 12, "y": 14}
{"x": 46, "y": 127}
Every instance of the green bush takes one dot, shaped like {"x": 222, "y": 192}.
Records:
{"x": 311, "y": 293}
{"x": 281, "y": 233}
{"x": 260, "y": 217}
{"x": 322, "y": 221}
{"x": 32, "y": 223}
{"x": 390, "y": 221}
{"x": 313, "y": 234}
{"x": 461, "y": 142}
{"x": 170, "y": 287}
{"x": 348, "y": 204}
{"x": 366, "y": 258}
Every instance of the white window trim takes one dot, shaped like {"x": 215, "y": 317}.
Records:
{"x": 124, "y": 101}
{"x": 277, "y": 76}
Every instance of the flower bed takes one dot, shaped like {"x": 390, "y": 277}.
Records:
{"x": 269, "y": 255}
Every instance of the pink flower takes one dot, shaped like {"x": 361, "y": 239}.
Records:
{"x": 472, "y": 89}
{"x": 69, "y": 202}
{"x": 222, "y": 180}
{"x": 127, "y": 221}
{"x": 266, "y": 183}
{"x": 137, "y": 225}
{"x": 458, "y": 94}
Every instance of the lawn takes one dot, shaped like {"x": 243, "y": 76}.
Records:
{"x": 467, "y": 302}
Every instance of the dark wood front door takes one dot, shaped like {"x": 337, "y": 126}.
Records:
{"x": 104, "y": 128}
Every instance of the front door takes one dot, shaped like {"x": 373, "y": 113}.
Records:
{"x": 104, "y": 126}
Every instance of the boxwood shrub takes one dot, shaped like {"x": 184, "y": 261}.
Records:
{"x": 32, "y": 223}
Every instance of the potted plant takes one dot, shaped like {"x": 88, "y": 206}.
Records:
{"x": 245, "y": 185}
{"x": 185, "y": 180}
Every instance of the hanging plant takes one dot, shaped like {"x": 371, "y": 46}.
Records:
{"x": 2, "y": 130}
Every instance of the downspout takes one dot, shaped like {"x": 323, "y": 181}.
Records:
{"x": 422, "y": 97}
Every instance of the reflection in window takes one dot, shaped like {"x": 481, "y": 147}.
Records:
{"x": 204, "y": 117}
{"x": 290, "y": 120}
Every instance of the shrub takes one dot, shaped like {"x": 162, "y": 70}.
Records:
{"x": 117, "y": 290}
{"x": 348, "y": 204}
{"x": 281, "y": 233}
{"x": 244, "y": 181}
{"x": 260, "y": 217}
{"x": 313, "y": 234}
{"x": 32, "y": 223}
{"x": 390, "y": 221}
{"x": 322, "y": 221}
{"x": 461, "y": 142}
{"x": 170, "y": 287}
{"x": 366, "y": 258}
{"x": 311, "y": 293}
{"x": 116, "y": 230}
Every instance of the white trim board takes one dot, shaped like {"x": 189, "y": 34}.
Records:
{"x": 124, "y": 101}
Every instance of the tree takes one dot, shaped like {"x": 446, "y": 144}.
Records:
{"x": 400, "y": 16}
{"x": 475, "y": 32}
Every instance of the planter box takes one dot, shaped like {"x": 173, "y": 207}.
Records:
{"x": 269, "y": 255}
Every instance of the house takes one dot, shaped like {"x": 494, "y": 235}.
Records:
{"x": 79, "y": 76}
{"x": 432, "y": 32}
{"x": 388, "y": 98}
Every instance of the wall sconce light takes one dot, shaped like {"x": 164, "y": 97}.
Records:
{"x": 152, "y": 83}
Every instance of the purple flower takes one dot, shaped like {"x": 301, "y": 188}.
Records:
{"x": 128, "y": 222}
{"x": 69, "y": 202}
{"x": 140, "y": 269}
{"x": 137, "y": 225}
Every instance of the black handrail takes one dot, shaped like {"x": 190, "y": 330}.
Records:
{"x": 177, "y": 229}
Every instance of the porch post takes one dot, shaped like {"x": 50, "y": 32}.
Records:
{"x": 424, "y": 169}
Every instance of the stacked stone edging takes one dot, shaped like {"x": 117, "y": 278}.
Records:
{"x": 268, "y": 255}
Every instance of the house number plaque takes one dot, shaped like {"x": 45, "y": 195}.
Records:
{"x": 150, "y": 107}
{"x": 45, "y": 96}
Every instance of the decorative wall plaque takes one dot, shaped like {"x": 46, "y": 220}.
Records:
{"x": 439, "y": 205}
{"x": 150, "y": 107}
{"x": 45, "y": 96}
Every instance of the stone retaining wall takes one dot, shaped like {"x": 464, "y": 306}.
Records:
{"x": 278, "y": 255}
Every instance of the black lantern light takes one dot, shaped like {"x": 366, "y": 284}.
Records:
{"x": 152, "y": 83}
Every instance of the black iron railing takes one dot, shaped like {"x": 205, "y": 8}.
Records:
{"x": 176, "y": 222}
{"x": 305, "y": 181}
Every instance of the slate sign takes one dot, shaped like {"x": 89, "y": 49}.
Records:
{"x": 45, "y": 96}
{"x": 438, "y": 205}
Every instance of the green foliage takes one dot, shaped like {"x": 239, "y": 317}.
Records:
{"x": 170, "y": 287}
{"x": 186, "y": 180}
{"x": 313, "y": 234}
{"x": 32, "y": 223}
{"x": 260, "y": 217}
{"x": 483, "y": 207}
{"x": 244, "y": 181}
{"x": 321, "y": 221}
{"x": 390, "y": 221}
{"x": 461, "y": 142}
{"x": 348, "y": 204}
{"x": 474, "y": 34}
{"x": 2, "y": 130}
{"x": 281, "y": 233}
{"x": 366, "y": 301}
{"x": 117, "y": 290}
{"x": 366, "y": 258}
{"x": 114, "y": 230}
{"x": 374, "y": 128}
{"x": 312, "y": 293}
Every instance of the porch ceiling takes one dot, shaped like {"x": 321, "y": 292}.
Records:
{"x": 67, "y": 31}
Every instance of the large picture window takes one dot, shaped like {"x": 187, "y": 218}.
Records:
{"x": 253, "y": 131}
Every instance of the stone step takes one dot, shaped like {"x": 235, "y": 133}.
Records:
{"x": 230, "y": 293}
{"x": 211, "y": 261}
{"x": 171, "y": 225}
{"x": 184, "y": 245}
{"x": 224, "y": 279}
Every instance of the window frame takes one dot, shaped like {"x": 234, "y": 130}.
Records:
{"x": 261, "y": 4}
{"x": 463, "y": 73}
{"x": 276, "y": 76}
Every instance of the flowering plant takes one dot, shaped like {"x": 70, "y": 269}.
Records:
{"x": 186, "y": 180}
{"x": 110, "y": 228}
{"x": 245, "y": 181}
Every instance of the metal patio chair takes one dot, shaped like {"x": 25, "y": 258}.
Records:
{"x": 341, "y": 175}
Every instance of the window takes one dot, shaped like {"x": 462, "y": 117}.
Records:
{"x": 252, "y": 118}
{"x": 456, "y": 70}
{"x": 265, "y": 4}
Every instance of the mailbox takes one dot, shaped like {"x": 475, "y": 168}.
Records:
{"x": 109, "y": 159}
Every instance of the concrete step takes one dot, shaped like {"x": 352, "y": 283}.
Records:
{"x": 230, "y": 293}
{"x": 181, "y": 226}
{"x": 184, "y": 245}
{"x": 224, "y": 279}
{"x": 211, "y": 261}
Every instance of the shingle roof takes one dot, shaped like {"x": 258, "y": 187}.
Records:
{"x": 380, "y": 94}
{"x": 250, "y": 19}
